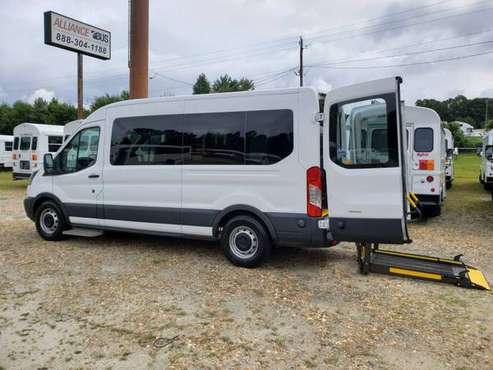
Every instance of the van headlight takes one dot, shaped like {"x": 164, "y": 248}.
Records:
{"x": 30, "y": 181}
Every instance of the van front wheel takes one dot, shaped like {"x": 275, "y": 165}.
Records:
{"x": 49, "y": 221}
{"x": 245, "y": 241}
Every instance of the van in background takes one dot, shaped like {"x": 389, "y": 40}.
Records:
{"x": 6, "y": 143}
{"x": 486, "y": 169}
{"x": 426, "y": 159}
{"x": 449, "y": 164}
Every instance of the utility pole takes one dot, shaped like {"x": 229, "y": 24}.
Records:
{"x": 139, "y": 48}
{"x": 80, "y": 88}
{"x": 301, "y": 61}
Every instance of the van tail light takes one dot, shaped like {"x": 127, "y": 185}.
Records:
{"x": 34, "y": 157}
{"x": 14, "y": 157}
{"x": 427, "y": 164}
{"x": 429, "y": 178}
{"x": 314, "y": 192}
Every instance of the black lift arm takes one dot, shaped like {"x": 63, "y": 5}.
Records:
{"x": 452, "y": 271}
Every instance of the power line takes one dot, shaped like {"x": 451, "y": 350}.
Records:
{"x": 408, "y": 64}
{"x": 404, "y": 54}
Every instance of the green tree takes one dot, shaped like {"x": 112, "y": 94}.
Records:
{"x": 202, "y": 85}
{"x": 459, "y": 139}
{"x": 106, "y": 99}
{"x": 227, "y": 84}
{"x": 489, "y": 125}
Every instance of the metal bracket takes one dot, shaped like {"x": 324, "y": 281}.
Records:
{"x": 319, "y": 117}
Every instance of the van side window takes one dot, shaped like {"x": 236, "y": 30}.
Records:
{"x": 269, "y": 136}
{"x": 25, "y": 143}
{"x": 16, "y": 143}
{"x": 215, "y": 138}
{"x": 222, "y": 138}
{"x": 363, "y": 133}
{"x": 423, "y": 139}
{"x": 34, "y": 145}
{"x": 76, "y": 156}
{"x": 151, "y": 140}
{"x": 8, "y": 146}
{"x": 54, "y": 143}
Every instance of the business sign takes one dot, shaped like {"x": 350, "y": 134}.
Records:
{"x": 70, "y": 34}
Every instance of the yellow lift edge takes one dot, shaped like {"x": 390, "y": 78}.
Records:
{"x": 452, "y": 271}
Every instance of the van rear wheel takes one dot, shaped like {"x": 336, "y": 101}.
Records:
{"x": 49, "y": 221}
{"x": 245, "y": 241}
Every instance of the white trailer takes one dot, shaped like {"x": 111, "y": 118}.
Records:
{"x": 426, "y": 158}
{"x": 486, "y": 170}
{"x": 31, "y": 142}
{"x": 449, "y": 165}
{"x": 6, "y": 143}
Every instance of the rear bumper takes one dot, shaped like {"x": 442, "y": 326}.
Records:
{"x": 20, "y": 176}
{"x": 298, "y": 230}
{"x": 29, "y": 207}
{"x": 429, "y": 200}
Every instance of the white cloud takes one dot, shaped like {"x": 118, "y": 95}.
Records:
{"x": 41, "y": 93}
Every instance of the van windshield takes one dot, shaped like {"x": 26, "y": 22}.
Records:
{"x": 25, "y": 143}
{"x": 423, "y": 139}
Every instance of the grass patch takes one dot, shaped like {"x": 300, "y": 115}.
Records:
{"x": 467, "y": 194}
{"x": 6, "y": 182}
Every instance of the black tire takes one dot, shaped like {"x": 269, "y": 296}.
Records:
{"x": 488, "y": 186}
{"x": 245, "y": 241}
{"x": 448, "y": 185}
{"x": 480, "y": 179}
{"x": 48, "y": 216}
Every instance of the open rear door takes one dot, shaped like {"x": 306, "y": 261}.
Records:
{"x": 364, "y": 163}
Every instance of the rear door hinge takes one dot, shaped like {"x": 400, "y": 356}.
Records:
{"x": 319, "y": 117}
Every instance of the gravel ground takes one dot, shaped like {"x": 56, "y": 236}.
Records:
{"x": 101, "y": 303}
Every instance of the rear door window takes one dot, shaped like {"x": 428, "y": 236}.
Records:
{"x": 34, "y": 146}
{"x": 16, "y": 143}
{"x": 423, "y": 139}
{"x": 25, "y": 142}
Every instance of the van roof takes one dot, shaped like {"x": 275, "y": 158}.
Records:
{"x": 99, "y": 114}
{"x": 40, "y": 128}
{"x": 422, "y": 116}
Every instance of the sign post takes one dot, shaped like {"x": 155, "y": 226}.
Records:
{"x": 69, "y": 34}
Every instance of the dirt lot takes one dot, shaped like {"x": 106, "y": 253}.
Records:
{"x": 101, "y": 303}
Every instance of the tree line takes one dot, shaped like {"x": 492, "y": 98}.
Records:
{"x": 55, "y": 112}
{"x": 460, "y": 108}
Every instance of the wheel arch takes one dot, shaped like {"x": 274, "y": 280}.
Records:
{"x": 43, "y": 197}
{"x": 242, "y": 209}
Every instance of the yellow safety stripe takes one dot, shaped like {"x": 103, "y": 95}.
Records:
{"x": 325, "y": 212}
{"x": 477, "y": 278}
{"x": 413, "y": 196}
{"x": 418, "y": 274}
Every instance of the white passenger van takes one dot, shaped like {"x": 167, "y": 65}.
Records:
{"x": 426, "y": 159}
{"x": 449, "y": 164}
{"x": 6, "y": 143}
{"x": 250, "y": 169}
{"x": 31, "y": 142}
{"x": 70, "y": 128}
{"x": 486, "y": 170}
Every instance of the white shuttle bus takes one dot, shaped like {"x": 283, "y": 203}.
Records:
{"x": 486, "y": 170}
{"x": 449, "y": 165}
{"x": 31, "y": 142}
{"x": 426, "y": 158}
{"x": 6, "y": 144}
{"x": 249, "y": 169}
{"x": 70, "y": 128}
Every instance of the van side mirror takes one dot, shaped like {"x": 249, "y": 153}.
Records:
{"x": 48, "y": 164}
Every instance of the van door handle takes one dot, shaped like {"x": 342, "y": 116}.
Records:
{"x": 93, "y": 176}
